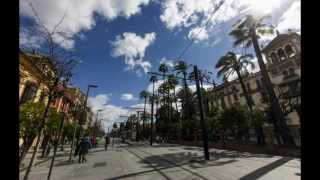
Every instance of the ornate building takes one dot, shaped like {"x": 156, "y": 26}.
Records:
{"x": 35, "y": 70}
{"x": 283, "y": 57}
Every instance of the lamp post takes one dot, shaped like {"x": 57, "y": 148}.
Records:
{"x": 95, "y": 127}
{"x": 84, "y": 117}
{"x": 202, "y": 120}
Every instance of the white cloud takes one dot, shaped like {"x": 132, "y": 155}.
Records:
{"x": 99, "y": 101}
{"x": 198, "y": 34}
{"x": 192, "y": 15}
{"x": 291, "y": 19}
{"x": 140, "y": 106}
{"x": 110, "y": 113}
{"x": 79, "y": 13}
{"x": 27, "y": 39}
{"x": 157, "y": 84}
{"x": 127, "y": 97}
{"x": 167, "y": 62}
{"x": 133, "y": 47}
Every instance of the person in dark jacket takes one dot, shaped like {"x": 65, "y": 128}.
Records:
{"x": 107, "y": 142}
{"x": 83, "y": 149}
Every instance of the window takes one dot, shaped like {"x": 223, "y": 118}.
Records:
{"x": 223, "y": 103}
{"x": 258, "y": 84}
{"x": 274, "y": 71}
{"x": 274, "y": 58}
{"x": 285, "y": 73}
{"x": 235, "y": 96}
{"x": 281, "y": 54}
{"x": 289, "y": 51}
{"x": 248, "y": 87}
{"x": 291, "y": 71}
{"x": 264, "y": 96}
{"x": 29, "y": 93}
{"x": 42, "y": 96}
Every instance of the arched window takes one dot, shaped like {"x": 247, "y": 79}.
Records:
{"x": 289, "y": 51}
{"x": 258, "y": 84}
{"x": 274, "y": 58}
{"x": 281, "y": 54}
{"x": 29, "y": 93}
{"x": 285, "y": 73}
{"x": 291, "y": 71}
{"x": 248, "y": 87}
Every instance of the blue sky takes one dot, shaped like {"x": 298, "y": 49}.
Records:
{"x": 120, "y": 40}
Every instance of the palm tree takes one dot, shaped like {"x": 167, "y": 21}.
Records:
{"x": 247, "y": 32}
{"x": 229, "y": 63}
{"x": 181, "y": 67}
{"x": 153, "y": 79}
{"x": 173, "y": 82}
{"x": 144, "y": 95}
{"x": 163, "y": 68}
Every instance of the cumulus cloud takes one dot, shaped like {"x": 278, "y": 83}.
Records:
{"x": 29, "y": 40}
{"x": 192, "y": 15}
{"x": 198, "y": 34}
{"x": 127, "y": 97}
{"x": 167, "y": 62}
{"x": 110, "y": 113}
{"x": 79, "y": 13}
{"x": 291, "y": 19}
{"x": 132, "y": 47}
{"x": 157, "y": 84}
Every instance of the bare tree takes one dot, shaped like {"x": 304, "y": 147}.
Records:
{"x": 62, "y": 62}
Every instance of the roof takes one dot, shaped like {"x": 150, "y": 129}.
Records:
{"x": 277, "y": 39}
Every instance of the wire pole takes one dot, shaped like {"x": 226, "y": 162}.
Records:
{"x": 204, "y": 130}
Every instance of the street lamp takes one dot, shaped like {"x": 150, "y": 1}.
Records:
{"x": 84, "y": 108}
{"x": 95, "y": 127}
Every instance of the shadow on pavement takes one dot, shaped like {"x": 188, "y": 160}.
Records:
{"x": 265, "y": 169}
{"x": 170, "y": 160}
{"x": 191, "y": 148}
{"x": 236, "y": 154}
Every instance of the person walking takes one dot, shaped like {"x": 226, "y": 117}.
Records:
{"x": 107, "y": 142}
{"x": 83, "y": 149}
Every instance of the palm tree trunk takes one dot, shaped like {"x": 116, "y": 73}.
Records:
{"x": 280, "y": 121}
{"x": 143, "y": 117}
{"x": 245, "y": 92}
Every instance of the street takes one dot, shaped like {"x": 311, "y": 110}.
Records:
{"x": 168, "y": 161}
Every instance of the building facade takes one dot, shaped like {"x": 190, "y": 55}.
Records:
{"x": 35, "y": 72}
{"x": 283, "y": 57}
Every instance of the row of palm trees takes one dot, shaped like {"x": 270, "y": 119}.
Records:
{"x": 246, "y": 33}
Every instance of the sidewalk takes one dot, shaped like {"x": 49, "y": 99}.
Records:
{"x": 38, "y": 160}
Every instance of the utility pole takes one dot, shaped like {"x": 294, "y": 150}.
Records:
{"x": 203, "y": 126}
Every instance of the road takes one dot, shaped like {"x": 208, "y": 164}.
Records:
{"x": 168, "y": 161}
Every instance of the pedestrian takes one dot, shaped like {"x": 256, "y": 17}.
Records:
{"x": 83, "y": 149}
{"x": 107, "y": 142}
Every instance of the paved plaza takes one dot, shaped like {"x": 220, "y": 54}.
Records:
{"x": 140, "y": 161}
